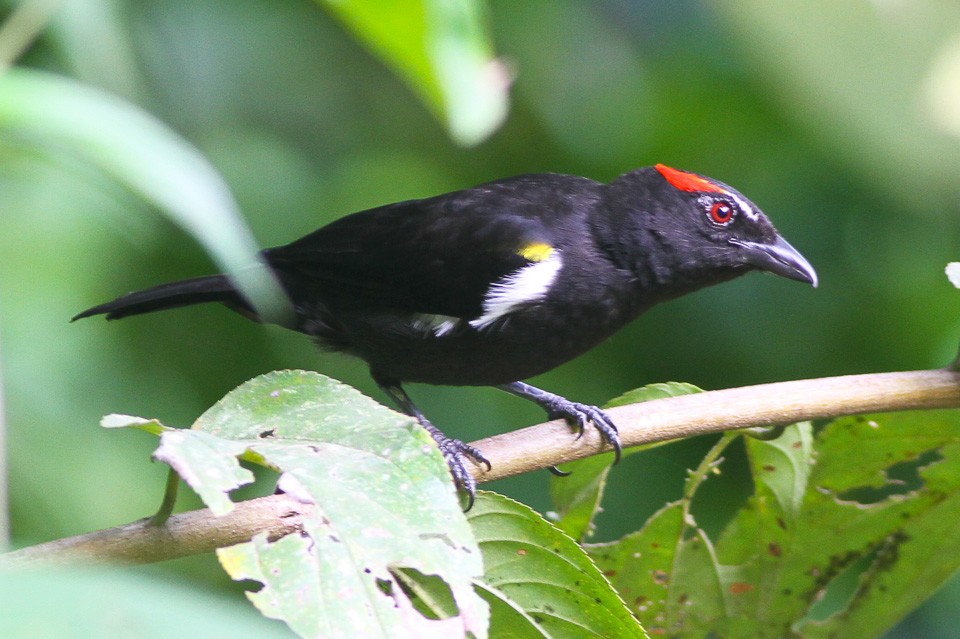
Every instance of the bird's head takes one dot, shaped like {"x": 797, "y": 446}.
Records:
{"x": 701, "y": 230}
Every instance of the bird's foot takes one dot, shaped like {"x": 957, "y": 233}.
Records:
{"x": 577, "y": 414}
{"x": 574, "y": 413}
{"x": 456, "y": 453}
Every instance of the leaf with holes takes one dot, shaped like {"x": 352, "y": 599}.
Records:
{"x": 878, "y": 514}
{"x": 668, "y": 578}
{"x": 577, "y": 498}
{"x": 538, "y": 581}
{"x": 383, "y": 502}
{"x": 846, "y": 532}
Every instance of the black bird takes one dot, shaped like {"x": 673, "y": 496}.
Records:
{"x": 503, "y": 281}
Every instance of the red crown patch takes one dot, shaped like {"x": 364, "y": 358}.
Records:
{"x": 689, "y": 182}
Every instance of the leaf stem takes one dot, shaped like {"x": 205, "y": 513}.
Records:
{"x": 169, "y": 499}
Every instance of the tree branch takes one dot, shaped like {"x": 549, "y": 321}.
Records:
{"x": 190, "y": 533}
{"x": 549, "y": 444}
{"x": 532, "y": 448}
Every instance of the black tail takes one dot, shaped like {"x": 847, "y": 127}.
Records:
{"x": 213, "y": 288}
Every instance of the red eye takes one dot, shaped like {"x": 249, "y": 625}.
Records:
{"x": 721, "y": 212}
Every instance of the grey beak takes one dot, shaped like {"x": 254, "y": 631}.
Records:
{"x": 779, "y": 258}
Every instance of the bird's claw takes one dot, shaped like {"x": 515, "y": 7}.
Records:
{"x": 456, "y": 452}
{"x": 578, "y": 415}
{"x": 574, "y": 413}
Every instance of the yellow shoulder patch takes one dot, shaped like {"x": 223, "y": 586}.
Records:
{"x": 537, "y": 252}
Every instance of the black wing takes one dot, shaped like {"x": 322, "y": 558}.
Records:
{"x": 439, "y": 255}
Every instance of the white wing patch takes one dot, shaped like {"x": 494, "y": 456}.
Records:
{"x": 527, "y": 285}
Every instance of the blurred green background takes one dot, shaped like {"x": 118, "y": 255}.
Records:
{"x": 840, "y": 119}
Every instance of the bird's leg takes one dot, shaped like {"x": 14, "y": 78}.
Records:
{"x": 575, "y": 413}
{"x": 454, "y": 450}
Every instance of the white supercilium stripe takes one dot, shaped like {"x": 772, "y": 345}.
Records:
{"x": 529, "y": 284}
{"x": 746, "y": 208}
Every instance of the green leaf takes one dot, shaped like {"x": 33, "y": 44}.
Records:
{"x": 442, "y": 49}
{"x": 208, "y": 464}
{"x": 151, "y": 426}
{"x": 577, "y": 498}
{"x": 884, "y": 497}
{"x": 782, "y": 466}
{"x": 667, "y": 572}
{"x": 149, "y": 158}
{"x": 654, "y": 391}
{"x": 846, "y": 532}
{"x": 383, "y": 501}
{"x": 539, "y": 582}
{"x": 508, "y": 619}
{"x": 430, "y": 594}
